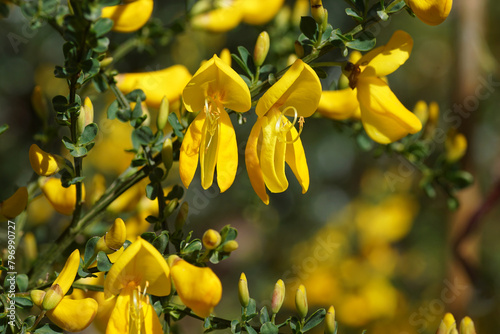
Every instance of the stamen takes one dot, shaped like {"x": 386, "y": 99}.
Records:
{"x": 213, "y": 115}
{"x": 281, "y": 122}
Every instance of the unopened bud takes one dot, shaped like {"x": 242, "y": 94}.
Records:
{"x": 172, "y": 259}
{"x": 52, "y": 297}
{"x": 106, "y": 62}
{"x": 433, "y": 113}
{"x": 301, "y": 301}
{"x": 261, "y": 48}
{"x": 86, "y": 115}
{"x": 467, "y": 326}
{"x": 39, "y": 103}
{"x": 278, "y": 296}
{"x": 299, "y": 49}
{"x": 291, "y": 59}
{"x": 318, "y": 11}
{"x": 163, "y": 112}
{"x": 113, "y": 239}
{"x": 30, "y": 247}
{"x": 167, "y": 153}
{"x": 330, "y": 324}
{"x": 447, "y": 325}
{"x": 243, "y": 293}
{"x": 181, "y": 216}
{"x": 37, "y": 297}
{"x": 455, "y": 145}
{"x": 171, "y": 206}
{"x": 230, "y": 246}
{"x": 211, "y": 239}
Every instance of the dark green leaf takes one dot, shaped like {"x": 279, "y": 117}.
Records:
{"x": 151, "y": 191}
{"x": 68, "y": 144}
{"x": 102, "y": 45}
{"x": 136, "y": 94}
{"x": 48, "y": 329}
{"x": 269, "y": 328}
{"x": 250, "y": 329}
{"x": 267, "y": 68}
{"x": 22, "y": 282}
{"x": 193, "y": 246}
{"x": 320, "y": 72}
{"x": 149, "y": 236}
{"x": 235, "y": 327}
{"x": 315, "y": 319}
{"x": 113, "y": 109}
{"x": 88, "y": 255}
{"x": 3, "y": 128}
{"x": 161, "y": 243}
{"x": 460, "y": 179}
{"x": 308, "y": 27}
{"x": 88, "y": 134}
{"x": 176, "y": 126}
{"x": 100, "y": 84}
{"x": 242, "y": 64}
{"x": 91, "y": 67}
{"x": 23, "y": 302}
{"x": 244, "y": 54}
{"x": 79, "y": 151}
{"x": 103, "y": 263}
{"x": 228, "y": 233}
{"x": 60, "y": 103}
{"x": 102, "y": 26}
{"x": 105, "y": 3}
{"x": 264, "y": 315}
{"x": 351, "y": 12}
{"x": 362, "y": 44}
{"x": 143, "y": 135}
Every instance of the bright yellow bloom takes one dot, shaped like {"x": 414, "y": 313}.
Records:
{"x": 63, "y": 200}
{"x": 448, "y": 325}
{"x": 168, "y": 82}
{"x": 259, "y": 12}
{"x": 211, "y": 239}
{"x": 113, "y": 239}
{"x": 214, "y": 87}
{"x": 431, "y": 12}
{"x": 140, "y": 269}
{"x": 130, "y": 16}
{"x": 72, "y": 315}
{"x": 43, "y": 163}
{"x": 15, "y": 204}
{"x": 384, "y": 118}
{"x": 274, "y": 139}
{"x": 198, "y": 288}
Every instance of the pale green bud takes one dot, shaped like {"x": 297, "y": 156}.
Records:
{"x": 181, "y": 216}
{"x": 230, "y": 246}
{"x": 261, "y": 48}
{"x": 167, "y": 153}
{"x": 243, "y": 293}
{"x": 163, "y": 112}
{"x": 301, "y": 301}
{"x": 278, "y": 296}
{"x": 330, "y": 324}
{"x": 467, "y": 326}
{"x": 52, "y": 297}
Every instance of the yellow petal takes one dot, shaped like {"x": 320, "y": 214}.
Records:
{"x": 73, "y": 315}
{"x": 168, "y": 82}
{"x": 258, "y": 12}
{"x": 384, "y": 118}
{"x": 63, "y": 200}
{"x": 219, "y": 81}
{"x": 339, "y": 104}
{"x": 115, "y": 237}
{"x": 386, "y": 59}
{"x": 252, "y": 162}
{"x": 119, "y": 319}
{"x": 198, "y": 288}
{"x": 219, "y": 20}
{"x": 139, "y": 263}
{"x": 455, "y": 145}
{"x": 299, "y": 87}
{"x": 43, "y": 163}
{"x": 296, "y": 159}
{"x": 227, "y": 157}
{"x": 272, "y": 155}
{"x": 15, "y": 204}
{"x": 225, "y": 56}
{"x": 188, "y": 158}
{"x": 68, "y": 273}
{"x": 432, "y": 12}
{"x": 129, "y": 17}
{"x": 209, "y": 147}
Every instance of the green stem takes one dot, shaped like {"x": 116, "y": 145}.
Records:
{"x": 124, "y": 49}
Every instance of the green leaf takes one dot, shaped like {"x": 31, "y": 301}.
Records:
{"x": 22, "y": 282}
{"x": 91, "y": 67}
{"x": 48, "y": 329}
{"x": 235, "y": 327}
{"x": 383, "y": 15}
{"x": 3, "y": 128}
{"x": 143, "y": 135}
{"x": 68, "y": 143}
{"x": 365, "y": 43}
{"x": 228, "y": 233}
{"x": 269, "y": 328}
{"x": 136, "y": 94}
{"x": 251, "y": 308}
{"x": 161, "y": 242}
{"x": 176, "y": 126}
{"x": 460, "y": 179}
{"x": 23, "y": 302}
{"x": 88, "y": 254}
{"x": 149, "y": 236}
{"x": 106, "y": 3}
{"x": 151, "y": 191}
{"x": 396, "y": 8}
{"x": 101, "y": 45}
{"x": 113, "y": 109}
{"x": 315, "y": 319}
{"x": 264, "y": 315}
{"x": 100, "y": 83}
{"x": 79, "y": 152}
{"x": 88, "y": 134}
{"x": 102, "y": 26}
{"x": 103, "y": 263}
{"x": 60, "y": 103}
{"x": 193, "y": 246}
{"x": 250, "y": 329}
{"x": 244, "y": 54}
{"x": 308, "y": 27}
{"x": 320, "y": 72}
{"x": 352, "y": 13}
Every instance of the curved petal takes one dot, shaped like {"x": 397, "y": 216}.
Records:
{"x": 296, "y": 159}
{"x": 15, "y": 204}
{"x": 43, "y": 163}
{"x": 219, "y": 81}
{"x": 384, "y": 118}
{"x": 252, "y": 163}
{"x": 386, "y": 59}
{"x": 139, "y": 263}
{"x": 62, "y": 199}
{"x": 299, "y": 88}
{"x": 68, "y": 273}
{"x": 258, "y": 12}
{"x": 209, "y": 147}
{"x": 218, "y": 20}
{"x": 73, "y": 315}
{"x": 129, "y": 17}
{"x": 119, "y": 319}
{"x": 338, "y": 104}
{"x": 188, "y": 158}
{"x": 227, "y": 157}
{"x": 431, "y": 12}
{"x": 199, "y": 288}
{"x": 272, "y": 154}
{"x": 151, "y": 322}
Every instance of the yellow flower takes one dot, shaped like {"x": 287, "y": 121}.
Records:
{"x": 63, "y": 200}
{"x": 130, "y": 16}
{"x": 15, "y": 204}
{"x": 72, "y": 315}
{"x": 447, "y": 325}
{"x": 198, "y": 288}
{"x": 456, "y": 145}
{"x": 140, "y": 269}
{"x": 43, "y": 163}
{"x": 259, "y": 12}
{"x": 384, "y": 118}
{"x": 431, "y": 12}
{"x": 113, "y": 239}
{"x": 274, "y": 139}
{"x": 211, "y": 136}
{"x": 168, "y": 82}
{"x": 467, "y": 326}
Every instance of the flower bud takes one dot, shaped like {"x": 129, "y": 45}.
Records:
{"x": 211, "y": 239}
{"x": 86, "y": 116}
{"x": 105, "y": 62}
{"x": 171, "y": 206}
{"x": 30, "y": 247}
{"x": 421, "y": 111}
{"x": 447, "y": 325}
{"x": 456, "y": 145}
{"x": 330, "y": 324}
{"x": 299, "y": 49}
{"x": 39, "y": 103}
{"x": 167, "y": 153}
{"x": 230, "y": 246}
{"x": 301, "y": 301}
{"x": 467, "y": 326}
{"x": 318, "y": 11}
{"x": 52, "y": 297}
{"x": 163, "y": 112}
{"x": 37, "y": 297}
{"x": 181, "y": 216}
{"x": 261, "y": 48}
{"x": 113, "y": 239}
{"x": 278, "y": 296}
{"x": 243, "y": 293}
{"x": 43, "y": 163}
{"x": 15, "y": 204}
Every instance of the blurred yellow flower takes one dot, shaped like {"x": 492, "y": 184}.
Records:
{"x": 15, "y": 204}
{"x": 214, "y": 87}
{"x": 274, "y": 139}
{"x": 43, "y": 163}
{"x": 198, "y": 288}
{"x": 432, "y": 12}
{"x": 63, "y": 200}
{"x": 113, "y": 239}
{"x": 455, "y": 145}
{"x": 448, "y": 325}
{"x": 130, "y": 16}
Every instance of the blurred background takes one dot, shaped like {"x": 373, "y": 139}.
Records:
{"x": 364, "y": 238}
